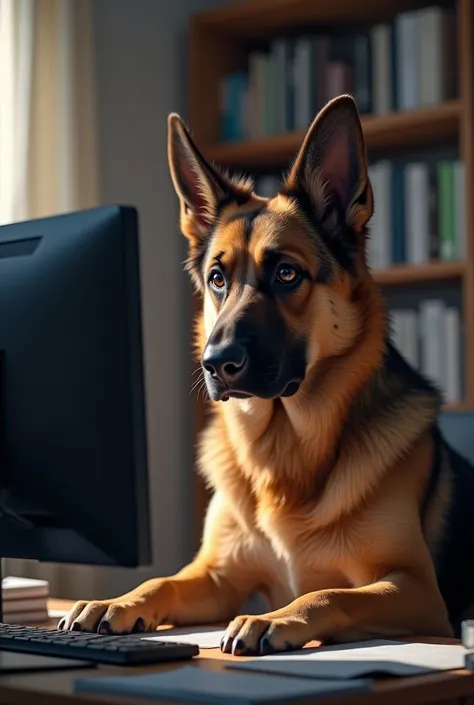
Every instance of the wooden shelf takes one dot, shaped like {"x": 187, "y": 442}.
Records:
{"x": 459, "y": 406}
{"x": 416, "y": 274}
{"x": 257, "y": 18}
{"x": 391, "y": 131}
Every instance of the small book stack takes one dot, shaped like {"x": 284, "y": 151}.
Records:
{"x": 25, "y": 600}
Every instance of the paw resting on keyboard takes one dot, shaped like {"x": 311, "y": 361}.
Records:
{"x": 135, "y": 612}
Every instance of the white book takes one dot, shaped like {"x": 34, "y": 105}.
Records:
{"x": 453, "y": 355}
{"x": 302, "y": 68}
{"x": 14, "y": 588}
{"x": 267, "y": 186}
{"x": 381, "y": 69}
{"x": 433, "y": 341}
{"x": 437, "y": 55}
{"x": 460, "y": 209}
{"x": 381, "y": 224}
{"x": 431, "y": 55}
{"x": 417, "y": 213}
{"x": 407, "y": 60}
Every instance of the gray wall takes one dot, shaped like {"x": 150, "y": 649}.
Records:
{"x": 141, "y": 58}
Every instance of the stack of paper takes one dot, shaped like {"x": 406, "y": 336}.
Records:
{"x": 25, "y": 600}
{"x": 206, "y": 686}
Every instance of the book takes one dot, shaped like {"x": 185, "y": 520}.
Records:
{"x": 380, "y": 175}
{"x": 433, "y": 341}
{"x": 24, "y": 605}
{"x": 436, "y": 76}
{"x": 254, "y": 105}
{"x": 417, "y": 223}
{"x": 452, "y": 333}
{"x": 363, "y": 73}
{"x": 27, "y": 618}
{"x": 302, "y": 81}
{"x": 208, "y": 686}
{"x": 407, "y": 39}
{"x": 382, "y": 74}
{"x": 398, "y": 216}
{"x": 446, "y": 224}
{"x": 405, "y": 334}
{"x": 14, "y": 588}
{"x": 267, "y": 185}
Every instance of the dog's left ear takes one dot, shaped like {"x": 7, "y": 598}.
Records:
{"x": 331, "y": 167}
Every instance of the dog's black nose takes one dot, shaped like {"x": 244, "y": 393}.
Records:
{"x": 225, "y": 362}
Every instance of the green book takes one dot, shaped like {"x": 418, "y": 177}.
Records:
{"x": 446, "y": 214}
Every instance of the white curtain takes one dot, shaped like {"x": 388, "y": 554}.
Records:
{"x": 47, "y": 147}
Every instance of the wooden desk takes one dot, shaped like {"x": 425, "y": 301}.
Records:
{"x": 57, "y": 688}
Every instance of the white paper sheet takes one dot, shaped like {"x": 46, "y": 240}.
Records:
{"x": 361, "y": 659}
{"x": 204, "y": 637}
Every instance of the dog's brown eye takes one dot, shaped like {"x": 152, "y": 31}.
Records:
{"x": 287, "y": 274}
{"x": 217, "y": 280}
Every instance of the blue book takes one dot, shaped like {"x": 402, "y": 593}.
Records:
{"x": 233, "y": 107}
{"x": 397, "y": 201}
{"x": 207, "y": 686}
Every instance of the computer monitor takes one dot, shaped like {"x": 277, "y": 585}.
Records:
{"x": 73, "y": 467}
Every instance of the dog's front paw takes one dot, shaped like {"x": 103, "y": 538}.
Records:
{"x": 142, "y": 611}
{"x": 257, "y": 635}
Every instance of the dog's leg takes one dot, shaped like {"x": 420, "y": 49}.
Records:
{"x": 210, "y": 589}
{"x": 404, "y": 602}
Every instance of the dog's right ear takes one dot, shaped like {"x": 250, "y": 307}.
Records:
{"x": 201, "y": 188}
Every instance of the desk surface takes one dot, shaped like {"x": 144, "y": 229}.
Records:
{"x": 447, "y": 688}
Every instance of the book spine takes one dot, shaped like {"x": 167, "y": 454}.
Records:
{"x": 397, "y": 203}
{"x": 407, "y": 60}
{"x": 431, "y": 22}
{"x": 384, "y": 220}
{"x": 267, "y": 185}
{"x": 433, "y": 357}
{"x": 446, "y": 210}
{"x": 417, "y": 212}
{"x": 363, "y": 73}
{"x": 453, "y": 355}
{"x": 434, "y": 248}
{"x": 381, "y": 69}
{"x": 302, "y": 78}
{"x": 321, "y": 53}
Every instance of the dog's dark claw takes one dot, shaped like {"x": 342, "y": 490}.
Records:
{"x": 266, "y": 646}
{"x": 104, "y": 628}
{"x": 226, "y": 645}
{"x": 139, "y": 626}
{"x": 238, "y": 647}
{"x": 76, "y": 627}
{"x": 62, "y": 624}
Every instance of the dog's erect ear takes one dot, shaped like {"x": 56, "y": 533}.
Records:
{"x": 331, "y": 167}
{"x": 200, "y": 187}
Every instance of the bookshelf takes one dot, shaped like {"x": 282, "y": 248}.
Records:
{"x": 383, "y": 133}
{"x": 220, "y": 41}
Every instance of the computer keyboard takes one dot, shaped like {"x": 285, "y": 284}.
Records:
{"x": 122, "y": 650}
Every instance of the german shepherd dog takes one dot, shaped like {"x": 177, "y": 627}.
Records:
{"x": 334, "y": 494}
